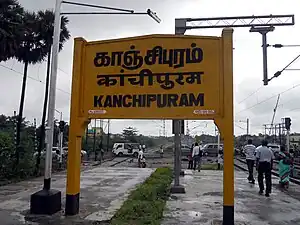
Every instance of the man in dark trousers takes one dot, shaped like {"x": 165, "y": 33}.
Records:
{"x": 249, "y": 151}
{"x": 264, "y": 166}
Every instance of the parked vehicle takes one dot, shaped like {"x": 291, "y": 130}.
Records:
{"x": 185, "y": 151}
{"x": 211, "y": 149}
{"x": 123, "y": 149}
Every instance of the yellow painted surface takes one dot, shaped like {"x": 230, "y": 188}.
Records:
{"x": 153, "y": 98}
{"x": 216, "y": 86}
{"x": 225, "y": 124}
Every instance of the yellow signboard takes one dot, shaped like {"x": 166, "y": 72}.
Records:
{"x": 152, "y": 77}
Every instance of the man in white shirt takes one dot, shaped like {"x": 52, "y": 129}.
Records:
{"x": 265, "y": 157}
{"x": 197, "y": 155}
{"x": 140, "y": 157}
{"x": 249, "y": 151}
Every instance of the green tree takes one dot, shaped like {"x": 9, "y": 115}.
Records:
{"x": 130, "y": 134}
{"x": 11, "y": 28}
{"x": 46, "y": 27}
{"x": 31, "y": 50}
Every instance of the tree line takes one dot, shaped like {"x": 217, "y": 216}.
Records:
{"x": 27, "y": 37}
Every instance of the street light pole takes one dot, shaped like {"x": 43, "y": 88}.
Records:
{"x": 48, "y": 201}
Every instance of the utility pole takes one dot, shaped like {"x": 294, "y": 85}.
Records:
{"x": 94, "y": 143}
{"x": 35, "y": 137}
{"x": 247, "y": 127}
{"x": 61, "y": 138}
{"x": 39, "y": 198}
{"x": 15, "y": 128}
{"x": 108, "y": 134}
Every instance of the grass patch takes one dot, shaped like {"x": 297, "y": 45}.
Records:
{"x": 212, "y": 166}
{"x": 145, "y": 205}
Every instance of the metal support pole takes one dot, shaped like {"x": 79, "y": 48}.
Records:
{"x": 94, "y": 143}
{"x": 35, "y": 137}
{"x": 288, "y": 140}
{"x": 108, "y": 134}
{"x": 265, "y": 57}
{"x": 177, "y": 151}
{"x": 247, "y": 127}
{"x": 61, "y": 140}
{"x": 177, "y": 127}
{"x": 263, "y": 31}
{"x": 52, "y": 94}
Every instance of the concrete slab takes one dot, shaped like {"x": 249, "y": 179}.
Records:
{"x": 103, "y": 191}
{"x": 203, "y": 202}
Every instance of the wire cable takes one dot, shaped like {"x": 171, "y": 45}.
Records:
{"x": 32, "y": 78}
{"x": 265, "y": 100}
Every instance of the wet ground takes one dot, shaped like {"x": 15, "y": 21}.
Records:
{"x": 203, "y": 202}
{"x": 103, "y": 191}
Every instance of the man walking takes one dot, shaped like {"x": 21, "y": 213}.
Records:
{"x": 249, "y": 151}
{"x": 197, "y": 156}
{"x": 264, "y": 166}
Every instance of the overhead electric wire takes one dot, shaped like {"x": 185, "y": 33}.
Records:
{"x": 267, "y": 99}
{"x": 32, "y": 78}
{"x": 250, "y": 95}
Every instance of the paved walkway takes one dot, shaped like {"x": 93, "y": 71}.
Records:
{"x": 103, "y": 191}
{"x": 203, "y": 202}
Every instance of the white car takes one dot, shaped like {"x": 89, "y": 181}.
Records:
{"x": 65, "y": 152}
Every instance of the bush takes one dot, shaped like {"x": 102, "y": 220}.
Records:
{"x": 145, "y": 205}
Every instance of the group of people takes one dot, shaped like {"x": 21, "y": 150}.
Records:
{"x": 195, "y": 157}
{"x": 262, "y": 158}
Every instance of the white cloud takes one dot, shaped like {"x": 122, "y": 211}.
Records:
{"x": 247, "y": 58}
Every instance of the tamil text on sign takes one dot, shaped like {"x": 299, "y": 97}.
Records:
{"x": 156, "y": 76}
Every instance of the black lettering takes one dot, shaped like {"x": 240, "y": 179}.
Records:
{"x": 194, "y": 55}
{"x": 117, "y": 101}
{"x": 161, "y": 100}
{"x": 108, "y": 101}
{"x": 144, "y": 101}
{"x": 126, "y": 102}
{"x": 116, "y": 58}
{"x": 168, "y": 57}
{"x": 184, "y": 100}
{"x": 172, "y": 100}
{"x": 137, "y": 101}
{"x": 101, "y": 59}
{"x": 150, "y": 98}
{"x": 98, "y": 101}
{"x": 179, "y": 58}
{"x": 132, "y": 59}
{"x": 199, "y": 101}
{"x": 154, "y": 55}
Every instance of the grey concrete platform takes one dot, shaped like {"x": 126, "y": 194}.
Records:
{"x": 103, "y": 191}
{"x": 203, "y": 202}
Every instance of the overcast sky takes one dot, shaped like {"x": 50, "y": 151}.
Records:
{"x": 250, "y": 94}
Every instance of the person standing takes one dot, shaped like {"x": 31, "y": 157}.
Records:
{"x": 249, "y": 151}
{"x": 140, "y": 157}
{"x": 161, "y": 151}
{"x": 284, "y": 167}
{"x": 197, "y": 156}
{"x": 264, "y": 166}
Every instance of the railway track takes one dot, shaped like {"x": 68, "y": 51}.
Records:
{"x": 274, "y": 173}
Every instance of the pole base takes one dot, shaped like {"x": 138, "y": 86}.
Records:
{"x": 228, "y": 215}
{"x": 177, "y": 189}
{"x": 182, "y": 173}
{"x": 45, "y": 202}
{"x": 72, "y": 205}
